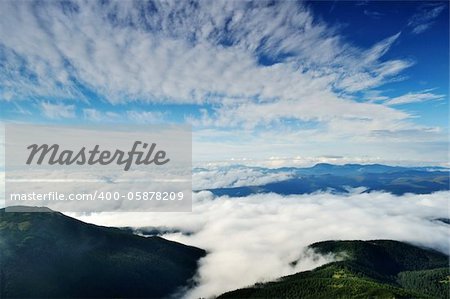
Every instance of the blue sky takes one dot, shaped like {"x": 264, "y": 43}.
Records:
{"x": 273, "y": 83}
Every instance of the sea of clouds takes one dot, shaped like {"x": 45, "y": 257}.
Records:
{"x": 235, "y": 176}
{"x": 256, "y": 238}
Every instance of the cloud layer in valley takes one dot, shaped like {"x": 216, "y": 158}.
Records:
{"x": 235, "y": 176}
{"x": 260, "y": 235}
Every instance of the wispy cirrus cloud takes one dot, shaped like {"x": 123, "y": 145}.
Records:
{"x": 146, "y": 117}
{"x": 130, "y": 116}
{"x": 91, "y": 114}
{"x": 181, "y": 53}
{"x": 57, "y": 111}
{"x": 423, "y": 96}
{"x": 373, "y": 14}
{"x": 425, "y": 17}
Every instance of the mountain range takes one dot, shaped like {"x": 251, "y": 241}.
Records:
{"x": 343, "y": 178}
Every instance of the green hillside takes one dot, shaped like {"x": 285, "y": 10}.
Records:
{"x": 369, "y": 269}
{"x": 46, "y": 255}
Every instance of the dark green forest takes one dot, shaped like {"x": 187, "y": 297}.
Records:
{"x": 370, "y": 269}
{"x": 48, "y": 254}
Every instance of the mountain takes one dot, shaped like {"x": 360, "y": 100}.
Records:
{"x": 351, "y": 169}
{"x": 50, "y": 255}
{"x": 341, "y": 178}
{"x": 367, "y": 269}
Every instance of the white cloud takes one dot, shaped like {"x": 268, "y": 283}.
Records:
{"x": 178, "y": 54}
{"x": 207, "y": 54}
{"x": 95, "y": 115}
{"x": 425, "y": 17}
{"x": 21, "y": 110}
{"x": 234, "y": 177}
{"x": 57, "y": 111}
{"x": 373, "y": 14}
{"x": 357, "y": 140}
{"x": 132, "y": 116}
{"x": 146, "y": 117}
{"x": 327, "y": 109}
{"x": 239, "y": 233}
{"x": 414, "y": 98}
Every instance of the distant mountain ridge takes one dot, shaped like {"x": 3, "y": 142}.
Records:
{"x": 329, "y": 168}
{"x": 50, "y": 255}
{"x": 326, "y": 168}
{"x": 342, "y": 178}
{"x": 369, "y": 269}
